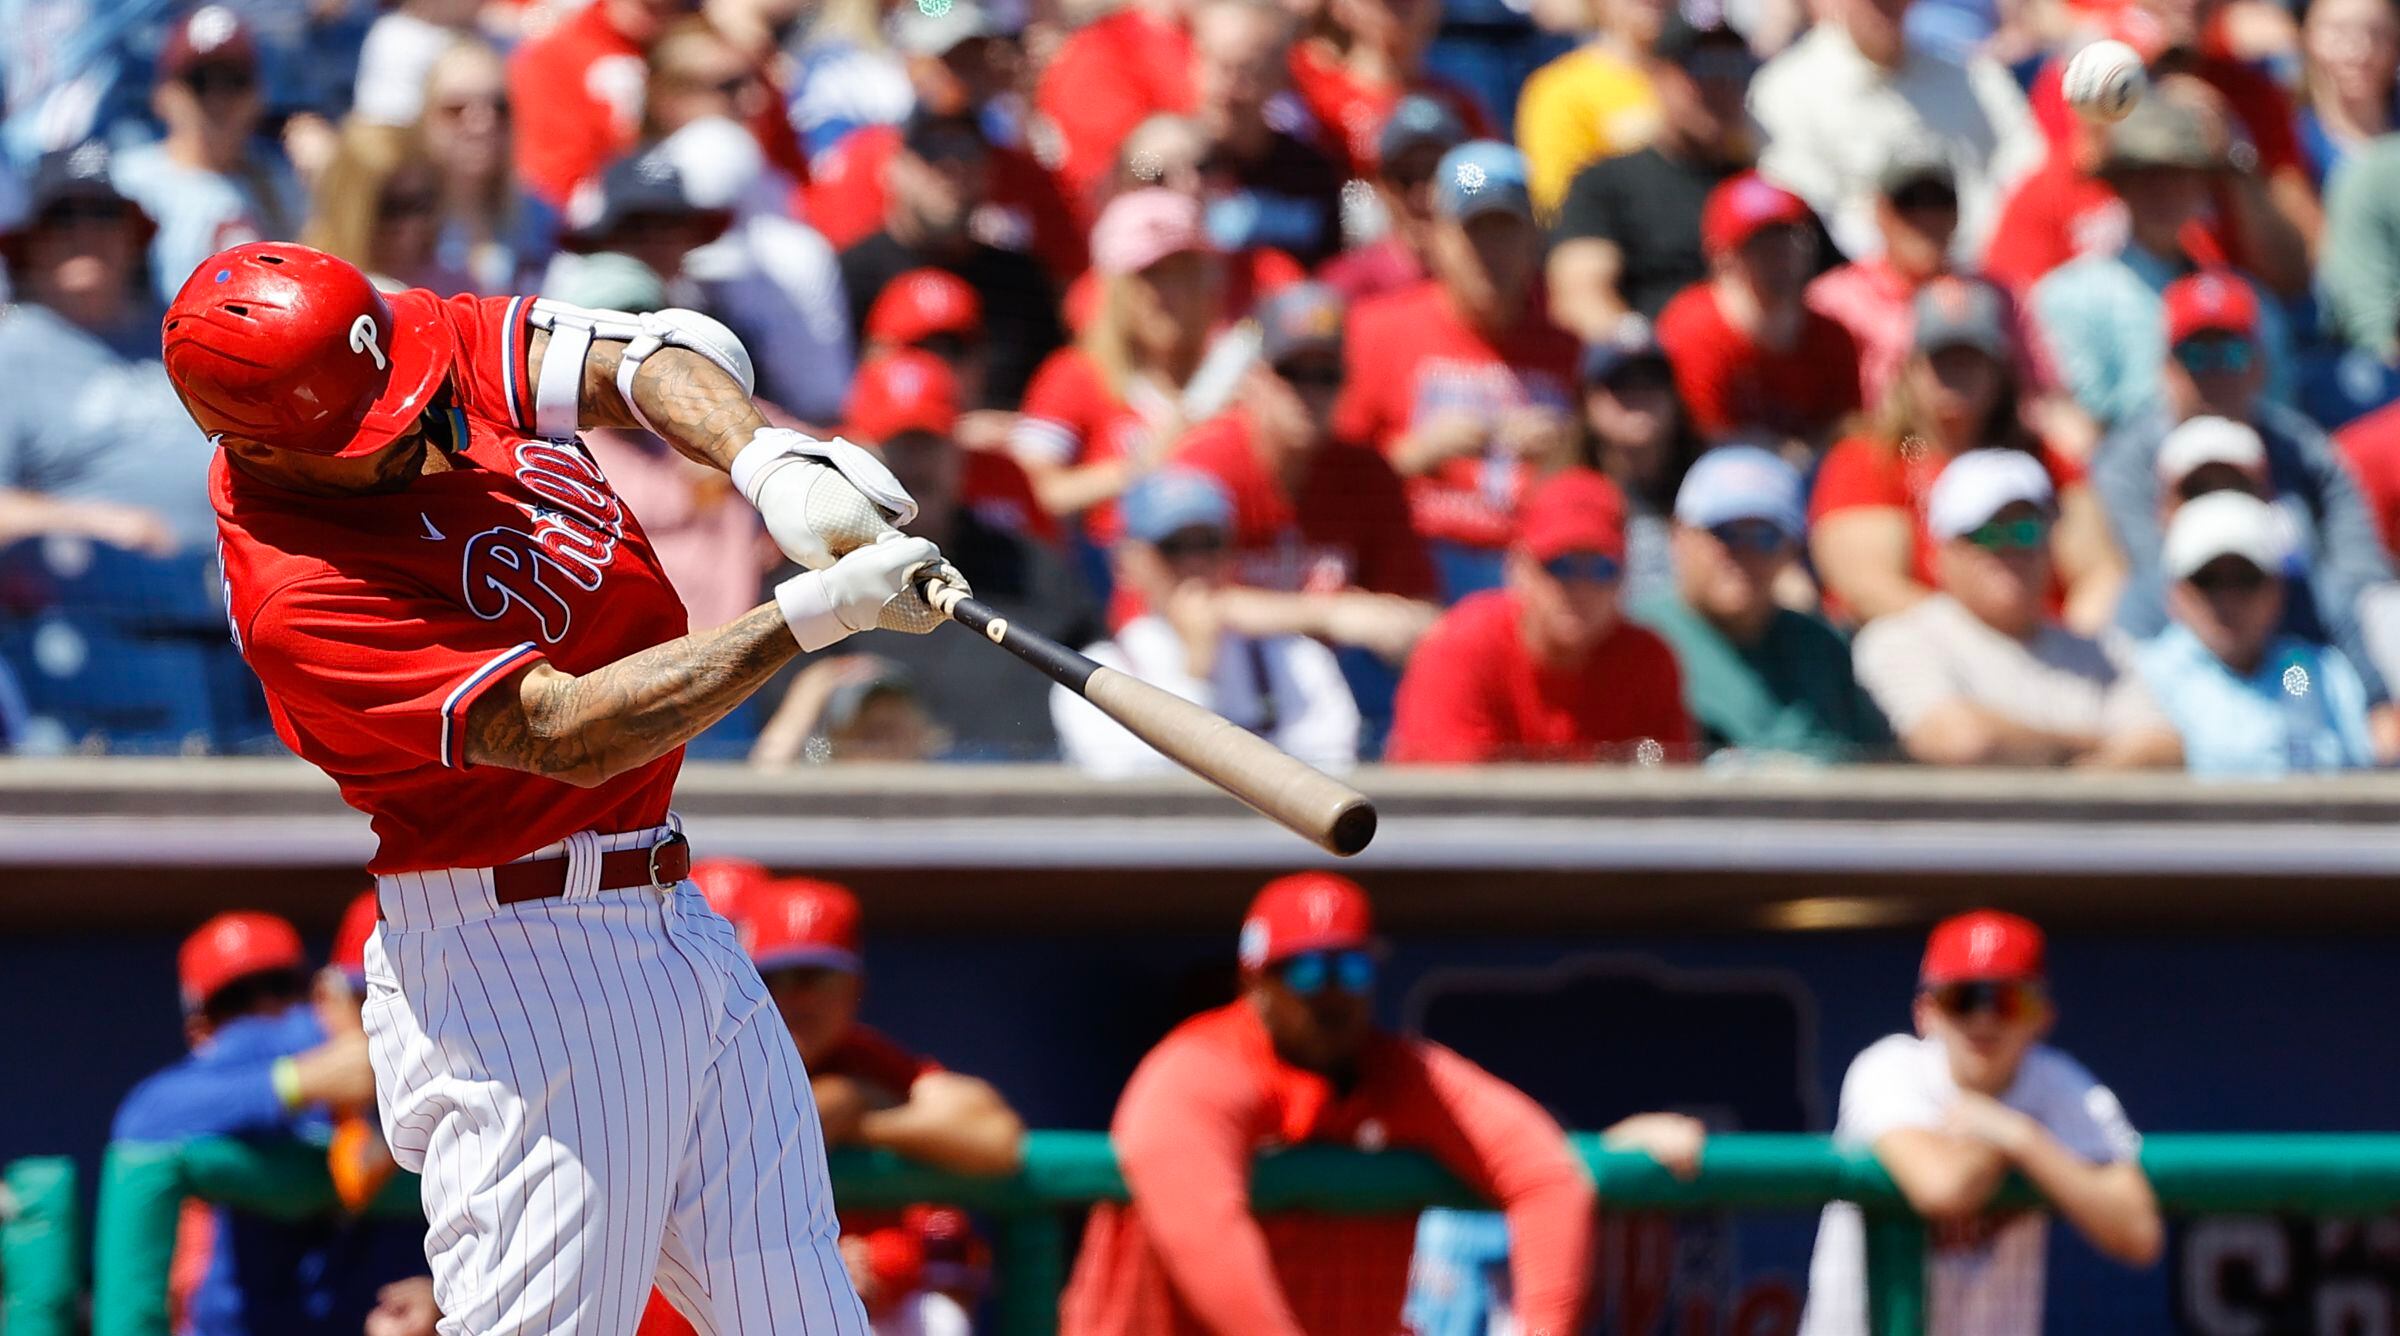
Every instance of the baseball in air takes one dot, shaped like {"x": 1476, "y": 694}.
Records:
{"x": 2104, "y": 80}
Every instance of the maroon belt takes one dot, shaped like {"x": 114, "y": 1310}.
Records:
{"x": 661, "y": 865}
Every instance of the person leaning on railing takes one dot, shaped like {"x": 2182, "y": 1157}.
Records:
{"x": 1951, "y": 1111}
{"x": 1298, "y": 1060}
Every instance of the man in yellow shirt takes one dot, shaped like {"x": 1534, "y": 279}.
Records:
{"x": 1591, "y": 103}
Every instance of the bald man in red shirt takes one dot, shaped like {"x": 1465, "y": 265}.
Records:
{"x": 1297, "y": 1060}
{"x": 1545, "y": 668}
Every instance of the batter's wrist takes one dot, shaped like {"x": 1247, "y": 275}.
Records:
{"x": 807, "y": 607}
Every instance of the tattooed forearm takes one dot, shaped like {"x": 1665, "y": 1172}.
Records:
{"x": 590, "y": 728}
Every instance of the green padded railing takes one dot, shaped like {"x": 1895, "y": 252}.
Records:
{"x": 41, "y": 1254}
{"x": 2305, "y": 1174}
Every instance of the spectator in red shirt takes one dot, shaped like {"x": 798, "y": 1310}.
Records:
{"x": 1462, "y": 381}
{"x": 803, "y": 935}
{"x": 1296, "y": 1060}
{"x": 936, "y": 312}
{"x": 959, "y": 60}
{"x": 1364, "y": 56}
{"x": 1114, "y": 73}
{"x": 1547, "y": 668}
{"x": 1957, "y": 392}
{"x": 1750, "y": 357}
{"x": 1320, "y": 536}
{"x": 2371, "y": 447}
{"x": 577, "y": 92}
{"x": 2267, "y": 213}
{"x": 1103, "y": 411}
{"x": 1419, "y": 131}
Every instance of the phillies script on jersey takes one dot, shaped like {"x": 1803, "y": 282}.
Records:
{"x": 376, "y": 621}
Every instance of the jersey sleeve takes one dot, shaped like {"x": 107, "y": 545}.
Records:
{"x": 383, "y": 682}
{"x": 1886, "y": 1090}
{"x": 490, "y": 374}
{"x": 1852, "y": 477}
{"x": 1050, "y": 425}
{"x": 2084, "y": 1115}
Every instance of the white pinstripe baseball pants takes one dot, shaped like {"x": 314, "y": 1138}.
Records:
{"x": 598, "y": 1090}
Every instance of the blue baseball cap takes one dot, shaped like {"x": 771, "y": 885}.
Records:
{"x": 1168, "y": 502}
{"x": 1419, "y": 119}
{"x": 1741, "y": 482}
{"x": 1480, "y": 176}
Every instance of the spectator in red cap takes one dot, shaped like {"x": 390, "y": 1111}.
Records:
{"x": 1979, "y": 673}
{"x": 1750, "y": 356}
{"x": 1187, "y": 636}
{"x": 212, "y": 181}
{"x": 1546, "y": 668}
{"x": 1320, "y": 525}
{"x": 1102, "y": 412}
{"x": 1958, "y": 390}
{"x": 1298, "y": 1060}
{"x": 803, "y": 934}
{"x": 577, "y": 92}
{"x": 906, "y": 404}
{"x": 1955, "y": 1108}
{"x": 2215, "y": 368}
{"x": 268, "y": 1064}
{"x": 1462, "y": 381}
{"x": 935, "y": 311}
{"x": 935, "y": 186}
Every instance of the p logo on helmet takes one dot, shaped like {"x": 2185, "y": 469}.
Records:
{"x": 362, "y": 340}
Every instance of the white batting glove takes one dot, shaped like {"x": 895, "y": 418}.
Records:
{"x": 827, "y": 606}
{"x": 819, "y": 499}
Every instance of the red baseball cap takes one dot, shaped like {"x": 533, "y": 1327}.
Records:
{"x": 903, "y": 391}
{"x": 728, "y": 883}
{"x": 1743, "y": 206}
{"x": 209, "y": 35}
{"x": 1983, "y": 944}
{"x": 1576, "y": 511}
{"x": 230, "y": 946}
{"x": 1306, "y": 911}
{"x": 801, "y": 921}
{"x": 350, "y": 939}
{"x": 922, "y": 303}
{"x": 2210, "y": 302}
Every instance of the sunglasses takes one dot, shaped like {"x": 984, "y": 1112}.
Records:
{"x": 1312, "y": 972}
{"x": 1755, "y": 537}
{"x": 213, "y": 80}
{"x": 1595, "y": 567}
{"x": 2231, "y": 577}
{"x": 730, "y": 86}
{"x": 1191, "y": 543}
{"x": 2005, "y": 999}
{"x": 1721, "y": 62}
{"x": 414, "y": 205}
{"x": 2010, "y": 535}
{"x": 1311, "y": 376}
{"x": 1924, "y": 196}
{"x": 494, "y": 103}
{"x": 2215, "y": 356}
{"x": 76, "y": 212}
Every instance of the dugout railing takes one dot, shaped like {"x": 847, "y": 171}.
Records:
{"x": 1030, "y": 1212}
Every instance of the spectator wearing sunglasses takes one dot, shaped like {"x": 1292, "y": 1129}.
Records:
{"x": 1643, "y": 442}
{"x": 1299, "y": 1060}
{"x": 1419, "y": 131}
{"x": 491, "y": 229}
{"x": 1175, "y": 561}
{"x": 262, "y": 1066}
{"x": 2250, "y": 698}
{"x": 1974, "y": 1095}
{"x": 2213, "y": 368}
{"x": 378, "y": 205}
{"x": 1979, "y": 674}
{"x": 213, "y": 181}
{"x": 1546, "y": 668}
{"x": 1757, "y": 677}
{"x": 1958, "y": 390}
{"x": 1626, "y": 238}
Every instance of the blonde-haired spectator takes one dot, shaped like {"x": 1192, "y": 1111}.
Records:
{"x": 377, "y": 206}
{"x": 490, "y": 229}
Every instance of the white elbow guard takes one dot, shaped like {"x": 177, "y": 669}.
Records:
{"x": 557, "y": 410}
{"x": 820, "y": 499}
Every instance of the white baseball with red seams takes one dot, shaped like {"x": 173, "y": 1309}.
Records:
{"x": 2104, "y": 80}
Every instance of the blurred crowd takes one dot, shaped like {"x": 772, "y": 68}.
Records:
{"x": 1287, "y": 1053}
{"x": 1432, "y": 381}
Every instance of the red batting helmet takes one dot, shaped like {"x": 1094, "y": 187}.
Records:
{"x": 296, "y": 350}
{"x": 231, "y": 946}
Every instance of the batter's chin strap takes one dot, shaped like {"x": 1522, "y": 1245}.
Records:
{"x": 557, "y": 407}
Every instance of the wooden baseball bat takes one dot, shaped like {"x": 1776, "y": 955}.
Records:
{"x": 1280, "y": 786}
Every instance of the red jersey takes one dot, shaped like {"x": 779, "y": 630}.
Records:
{"x": 576, "y": 93}
{"x": 1188, "y": 1256}
{"x": 1352, "y": 111}
{"x": 375, "y": 622}
{"x": 846, "y": 198}
{"x": 2371, "y": 447}
{"x": 1732, "y": 384}
{"x": 2058, "y": 214}
{"x": 1474, "y": 693}
{"x": 1345, "y": 527}
{"x": 1071, "y": 416}
{"x": 1113, "y": 74}
{"x": 1411, "y": 358}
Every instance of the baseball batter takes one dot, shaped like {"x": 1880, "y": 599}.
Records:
{"x": 456, "y": 618}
